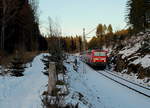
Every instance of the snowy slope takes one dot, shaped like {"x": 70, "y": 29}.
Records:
{"x": 128, "y": 51}
{"x": 144, "y": 61}
{"x": 98, "y": 91}
{"x": 133, "y": 60}
{"x": 24, "y": 92}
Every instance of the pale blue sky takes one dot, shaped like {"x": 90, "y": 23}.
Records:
{"x": 74, "y": 15}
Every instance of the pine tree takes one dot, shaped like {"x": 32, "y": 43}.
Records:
{"x": 136, "y": 10}
{"x": 105, "y": 28}
{"x": 147, "y": 13}
{"x": 110, "y": 29}
{"x": 80, "y": 43}
{"x": 99, "y": 30}
{"x": 20, "y": 29}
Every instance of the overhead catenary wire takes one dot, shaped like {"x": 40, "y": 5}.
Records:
{"x": 91, "y": 31}
{"x": 96, "y": 28}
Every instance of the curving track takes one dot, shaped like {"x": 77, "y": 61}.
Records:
{"x": 140, "y": 90}
{"x": 124, "y": 82}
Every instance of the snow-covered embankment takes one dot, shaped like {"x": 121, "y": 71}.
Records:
{"x": 24, "y": 92}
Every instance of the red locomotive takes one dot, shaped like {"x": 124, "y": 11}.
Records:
{"x": 95, "y": 57}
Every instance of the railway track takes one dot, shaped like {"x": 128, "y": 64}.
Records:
{"x": 130, "y": 85}
{"x": 126, "y": 80}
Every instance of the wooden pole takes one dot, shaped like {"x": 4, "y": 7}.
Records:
{"x": 84, "y": 40}
{"x": 52, "y": 77}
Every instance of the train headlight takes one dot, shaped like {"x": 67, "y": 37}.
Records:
{"x": 95, "y": 59}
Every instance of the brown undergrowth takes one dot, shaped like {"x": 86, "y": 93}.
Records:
{"x": 26, "y": 57}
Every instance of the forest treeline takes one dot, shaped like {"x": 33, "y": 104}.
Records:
{"x": 137, "y": 18}
{"x": 58, "y": 43}
{"x": 106, "y": 36}
{"x": 19, "y": 26}
{"x": 66, "y": 44}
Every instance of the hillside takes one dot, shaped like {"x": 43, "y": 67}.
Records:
{"x": 132, "y": 57}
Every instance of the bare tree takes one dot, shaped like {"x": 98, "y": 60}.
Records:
{"x": 50, "y": 22}
{"x": 54, "y": 28}
{"x": 54, "y": 37}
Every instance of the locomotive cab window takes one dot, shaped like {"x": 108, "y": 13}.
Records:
{"x": 99, "y": 54}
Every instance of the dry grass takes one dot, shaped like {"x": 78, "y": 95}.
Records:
{"x": 4, "y": 58}
{"x": 26, "y": 57}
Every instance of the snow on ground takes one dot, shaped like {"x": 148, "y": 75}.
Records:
{"x": 144, "y": 61}
{"x": 128, "y": 51}
{"x": 24, "y": 92}
{"x": 92, "y": 90}
{"x": 126, "y": 82}
{"x": 132, "y": 78}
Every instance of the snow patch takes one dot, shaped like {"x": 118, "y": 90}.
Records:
{"x": 144, "y": 61}
{"x": 24, "y": 92}
{"x": 129, "y": 51}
